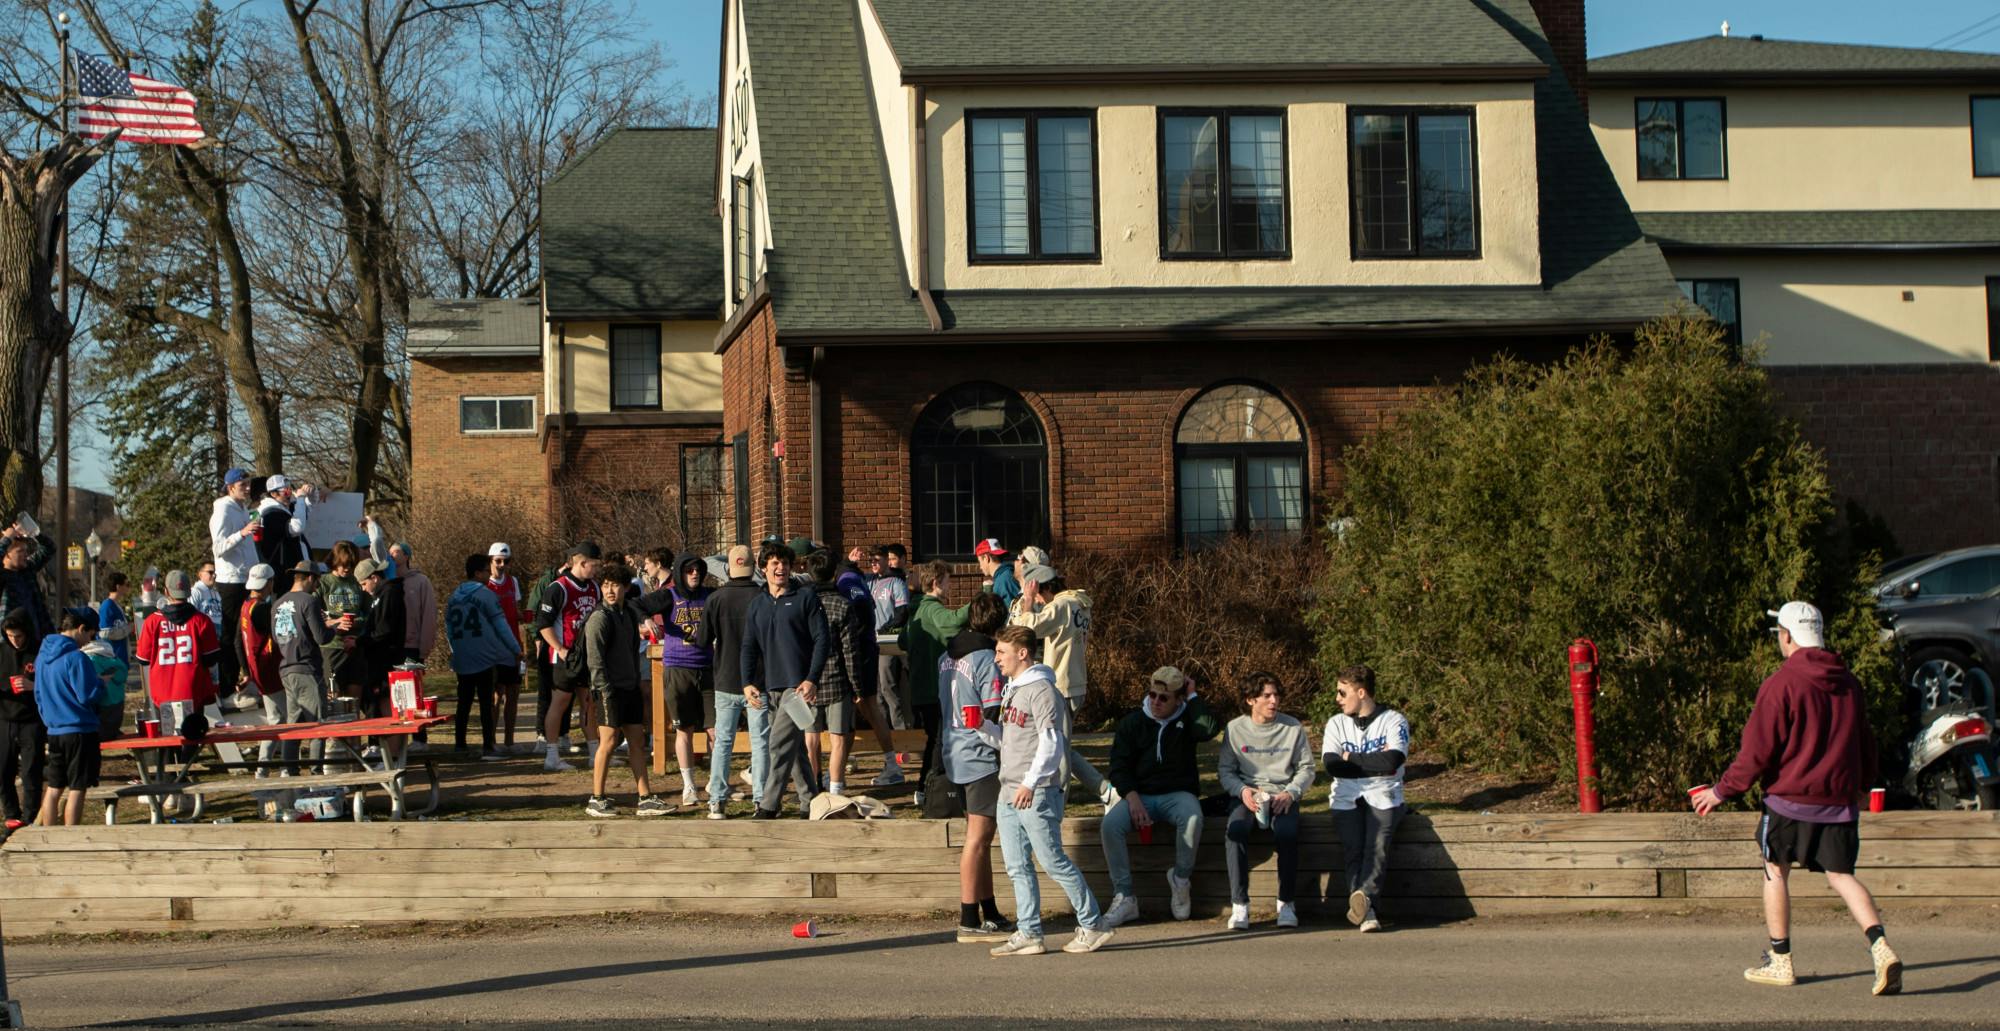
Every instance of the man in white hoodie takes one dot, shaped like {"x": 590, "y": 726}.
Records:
{"x": 1034, "y": 744}
{"x": 233, "y": 544}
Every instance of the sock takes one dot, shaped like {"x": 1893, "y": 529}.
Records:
{"x": 1874, "y": 934}
{"x": 837, "y": 788}
{"x": 1781, "y": 946}
{"x": 991, "y": 909}
{"x": 968, "y": 914}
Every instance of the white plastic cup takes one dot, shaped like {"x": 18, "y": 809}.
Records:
{"x": 1264, "y": 809}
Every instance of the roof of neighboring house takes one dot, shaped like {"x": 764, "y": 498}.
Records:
{"x": 495, "y": 327}
{"x": 1969, "y": 229}
{"x": 1198, "y": 39}
{"x": 629, "y": 229}
{"x": 1749, "y": 59}
{"x": 836, "y": 267}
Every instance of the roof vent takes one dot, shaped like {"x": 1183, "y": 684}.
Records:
{"x": 1758, "y": 36}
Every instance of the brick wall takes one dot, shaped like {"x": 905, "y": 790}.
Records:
{"x": 448, "y": 466}
{"x": 754, "y": 375}
{"x": 1562, "y": 21}
{"x": 620, "y": 485}
{"x": 1109, "y": 412}
{"x": 1918, "y": 445}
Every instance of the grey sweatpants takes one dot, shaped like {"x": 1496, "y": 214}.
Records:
{"x": 305, "y": 700}
{"x": 1365, "y": 836}
{"x": 791, "y": 720}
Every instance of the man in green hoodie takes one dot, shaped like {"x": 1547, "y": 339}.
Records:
{"x": 1154, "y": 772}
{"x": 924, "y": 640}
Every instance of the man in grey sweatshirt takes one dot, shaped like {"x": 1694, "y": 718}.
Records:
{"x": 1267, "y": 763}
{"x": 1034, "y": 744}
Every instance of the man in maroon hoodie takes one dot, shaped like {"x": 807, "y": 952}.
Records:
{"x": 1807, "y": 745}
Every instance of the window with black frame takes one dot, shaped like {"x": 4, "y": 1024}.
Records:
{"x": 1033, "y": 181}
{"x": 635, "y": 366}
{"x": 1222, "y": 184}
{"x": 1415, "y": 176}
{"x": 1986, "y": 136}
{"x": 1717, "y": 297}
{"x": 743, "y": 221}
{"x": 1239, "y": 464}
{"x": 1681, "y": 138}
{"x": 979, "y": 468}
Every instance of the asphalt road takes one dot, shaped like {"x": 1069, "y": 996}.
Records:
{"x": 752, "y": 974}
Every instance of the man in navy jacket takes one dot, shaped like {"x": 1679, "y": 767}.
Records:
{"x": 784, "y": 648}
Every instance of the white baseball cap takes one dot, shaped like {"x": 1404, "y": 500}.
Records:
{"x": 260, "y": 577}
{"x": 276, "y": 481}
{"x": 1034, "y": 556}
{"x": 499, "y": 550}
{"x": 1807, "y": 626}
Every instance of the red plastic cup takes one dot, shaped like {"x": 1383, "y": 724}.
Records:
{"x": 427, "y": 706}
{"x": 1146, "y": 834}
{"x": 19, "y": 683}
{"x": 805, "y": 929}
{"x": 1878, "y": 800}
{"x": 971, "y": 715}
{"x": 1698, "y": 789}
{"x": 149, "y": 728}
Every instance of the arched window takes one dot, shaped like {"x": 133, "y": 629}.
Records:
{"x": 1240, "y": 460}
{"x": 979, "y": 468}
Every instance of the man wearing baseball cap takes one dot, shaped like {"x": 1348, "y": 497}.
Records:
{"x": 1157, "y": 776}
{"x": 233, "y": 544}
{"x": 507, "y": 679}
{"x": 1808, "y": 746}
{"x": 998, "y": 572}
{"x": 280, "y": 529}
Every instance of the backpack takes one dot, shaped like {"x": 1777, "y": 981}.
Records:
{"x": 943, "y": 800}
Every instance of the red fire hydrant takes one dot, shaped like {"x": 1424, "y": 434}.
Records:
{"x": 1583, "y": 695}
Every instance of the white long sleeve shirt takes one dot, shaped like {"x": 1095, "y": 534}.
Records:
{"x": 234, "y": 550}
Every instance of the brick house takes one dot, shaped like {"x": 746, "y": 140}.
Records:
{"x": 475, "y": 404}
{"x": 1840, "y": 204}
{"x": 990, "y": 272}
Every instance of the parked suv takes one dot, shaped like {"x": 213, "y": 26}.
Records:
{"x": 1942, "y": 639}
{"x": 1947, "y": 576}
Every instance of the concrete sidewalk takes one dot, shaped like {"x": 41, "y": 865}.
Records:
{"x": 1678, "y": 971}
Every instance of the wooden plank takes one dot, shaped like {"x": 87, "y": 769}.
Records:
{"x": 464, "y": 884}
{"x": 863, "y": 744}
{"x": 620, "y": 860}
{"x": 310, "y": 911}
{"x": 664, "y": 833}
{"x": 203, "y": 863}
{"x": 1967, "y": 883}
{"x": 109, "y": 912}
{"x": 1478, "y": 883}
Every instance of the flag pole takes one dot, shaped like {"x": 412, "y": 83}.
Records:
{"x": 62, "y": 358}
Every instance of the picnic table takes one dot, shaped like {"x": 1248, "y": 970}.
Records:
{"x": 161, "y": 777}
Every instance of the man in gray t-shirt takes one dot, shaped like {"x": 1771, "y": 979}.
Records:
{"x": 299, "y": 628}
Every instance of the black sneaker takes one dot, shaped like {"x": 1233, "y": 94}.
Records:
{"x": 600, "y": 806}
{"x": 987, "y": 931}
{"x": 763, "y": 814}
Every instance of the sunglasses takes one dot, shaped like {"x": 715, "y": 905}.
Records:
{"x": 1164, "y": 696}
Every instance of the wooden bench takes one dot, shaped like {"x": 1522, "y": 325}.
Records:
{"x": 864, "y": 741}
{"x": 390, "y": 781}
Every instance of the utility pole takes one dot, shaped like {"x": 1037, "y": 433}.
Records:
{"x": 62, "y": 357}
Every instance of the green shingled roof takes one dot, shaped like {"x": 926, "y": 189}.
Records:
{"x": 835, "y": 262}
{"x": 1012, "y": 35}
{"x": 1824, "y": 230}
{"x": 629, "y": 228}
{"x": 836, "y": 269}
{"x": 1746, "y": 57}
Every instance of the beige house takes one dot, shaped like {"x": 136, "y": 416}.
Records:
{"x": 1839, "y": 205}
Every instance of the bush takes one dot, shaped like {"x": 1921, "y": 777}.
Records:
{"x": 1217, "y": 614}
{"x": 1649, "y": 498}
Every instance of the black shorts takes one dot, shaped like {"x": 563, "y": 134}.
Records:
{"x": 507, "y": 674}
{"x": 690, "y": 698}
{"x": 982, "y": 797}
{"x": 72, "y": 763}
{"x": 620, "y": 708}
{"x": 1819, "y": 847}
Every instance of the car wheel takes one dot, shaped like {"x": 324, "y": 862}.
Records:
{"x": 1938, "y": 674}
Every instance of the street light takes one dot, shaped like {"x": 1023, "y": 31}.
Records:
{"x": 93, "y": 546}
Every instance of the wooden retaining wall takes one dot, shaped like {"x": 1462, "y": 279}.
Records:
{"x": 157, "y": 878}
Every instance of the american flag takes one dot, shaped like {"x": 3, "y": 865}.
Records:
{"x": 150, "y": 111}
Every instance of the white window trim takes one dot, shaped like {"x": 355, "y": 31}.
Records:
{"x": 534, "y": 406}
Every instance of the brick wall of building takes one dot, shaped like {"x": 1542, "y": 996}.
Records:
{"x": 1562, "y": 21}
{"x": 449, "y": 466}
{"x": 1918, "y": 445}
{"x": 620, "y": 485}
{"x": 755, "y": 379}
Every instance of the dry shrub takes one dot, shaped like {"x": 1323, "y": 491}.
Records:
{"x": 1218, "y": 614}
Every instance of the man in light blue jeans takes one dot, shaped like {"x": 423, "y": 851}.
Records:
{"x": 721, "y": 634}
{"x": 731, "y": 711}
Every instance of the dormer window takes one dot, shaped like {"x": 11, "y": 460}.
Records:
{"x": 1222, "y": 184}
{"x": 1680, "y": 138}
{"x": 1033, "y": 180}
{"x": 1415, "y": 175}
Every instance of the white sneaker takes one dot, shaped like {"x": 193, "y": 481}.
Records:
{"x": 492, "y": 757}
{"x": 1087, "y": 940}
{"x": 1123, "y": 910}
{"x": 690, "y": 798}
{"x": 716, "y": 813}
{"x": 920, "y": 800}
{"x": 1287, "y": 915}
{"x": 1018, "y": 945}
{"x": 1239, "y": 916}
{"x": 1179, "y": 887}
{"x": 553, "y": 763}
{"x": 749, "y": 781}
{"x": 1358, "y": 907}
{"x": 1370, "y": 924}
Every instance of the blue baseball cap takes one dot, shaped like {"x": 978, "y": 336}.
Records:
{"x": 234, "y": 477}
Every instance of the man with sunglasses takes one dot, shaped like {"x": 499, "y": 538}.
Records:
{"x": 507, "y": 676}
{"x": 1154, "y": 771}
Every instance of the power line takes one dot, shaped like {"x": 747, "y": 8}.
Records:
{"x": 1951, "y": 37}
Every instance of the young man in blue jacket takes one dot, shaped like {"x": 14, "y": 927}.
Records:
{"x": 785, "y": 644}
{"x": 482, "y": 644}
{"x": 66, "y": 693}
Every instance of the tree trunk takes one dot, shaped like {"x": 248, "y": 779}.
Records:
{"x": 237, "y": 342}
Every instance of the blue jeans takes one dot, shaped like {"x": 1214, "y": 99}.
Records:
{"x": 1177, "y": 809}
{"x": 730, "y": 712}
{"x": 1032, "y": 835}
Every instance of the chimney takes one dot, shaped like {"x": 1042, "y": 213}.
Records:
{"x": 1562, "y": 23}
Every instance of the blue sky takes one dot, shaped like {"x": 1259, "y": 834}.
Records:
{"x": 687, "y": 28}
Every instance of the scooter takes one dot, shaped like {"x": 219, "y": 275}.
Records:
{"x": 1953, "y": 764}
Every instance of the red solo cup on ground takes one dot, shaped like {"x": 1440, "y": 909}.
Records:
{"x": 1146, "y": 834}
{"x": 1878, "y": 800}
{"x": 971, "y": 715}
{"x": 805, "y": 929}
{"x": 149, "y": 728}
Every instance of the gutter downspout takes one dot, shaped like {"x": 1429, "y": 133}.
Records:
{"x": 920, "y": 191}
{"x": 813, "y": 413}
